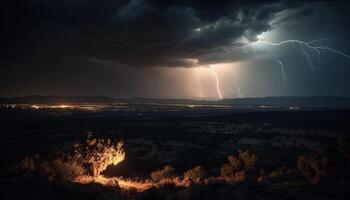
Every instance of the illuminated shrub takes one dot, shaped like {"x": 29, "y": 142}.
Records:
{"x": 240, "y": 176}
{"x": 93, "y": 156}
{"x": 235, "y": 162}
{"x": 236, "y": 177}
{"x": 161, "y": 174}
{"x": 313, "y": 167}
{"x": 99, "y": 154}
{"x": 196, "y": 174}
{"x": 232, "y": 171}
{"x": 63, "y": 169}
{"x": 226, "y": 170}
{"x": 248, "y": 158}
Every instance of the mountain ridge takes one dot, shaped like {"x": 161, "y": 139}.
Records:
{"x": 320, "y": 100}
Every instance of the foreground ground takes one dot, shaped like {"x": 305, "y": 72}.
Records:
{"x": 300, "y": 154}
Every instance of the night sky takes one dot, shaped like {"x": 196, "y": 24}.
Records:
{"x": 174, "y": 49}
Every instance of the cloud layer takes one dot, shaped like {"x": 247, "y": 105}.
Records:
{"x": 141, "y": 33}
{"x": 150, "y": 48}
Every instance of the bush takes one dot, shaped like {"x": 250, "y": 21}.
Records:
{"x": 226, "y": 170}
{"x": 236, "y": 177}
{"x": 248, "y": 158}
{"x": 313, "y": 167}
{"x": 161, "y": 174}
{"x": 91, "y": 157}
{"x": 99, "y": 154}
{"x": 235, "y": 162}
{"x": 63, "y": 169}
{"x": 196, "y": 174}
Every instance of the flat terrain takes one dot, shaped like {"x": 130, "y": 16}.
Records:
{"x": 185, "y": 136}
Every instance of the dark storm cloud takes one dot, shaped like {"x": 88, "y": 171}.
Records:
{"x": 132, "y": 48}
{"x": 135, "y": 33}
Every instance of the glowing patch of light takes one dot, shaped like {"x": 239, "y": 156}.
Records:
{"x": 35, "y": 106}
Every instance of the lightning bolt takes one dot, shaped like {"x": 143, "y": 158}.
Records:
{"x": 308, "y": 45}
{"x": 284, "y": 77}
{"x": 321, "y": 39}
{"x": 235, "y": 89}
{"x": 239, "y": 91}
{"x": 305, "y": 48}
{"x": 216, "y": 77}
{"x": 236, "y": 85}
{"x": 308, "y": 57}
